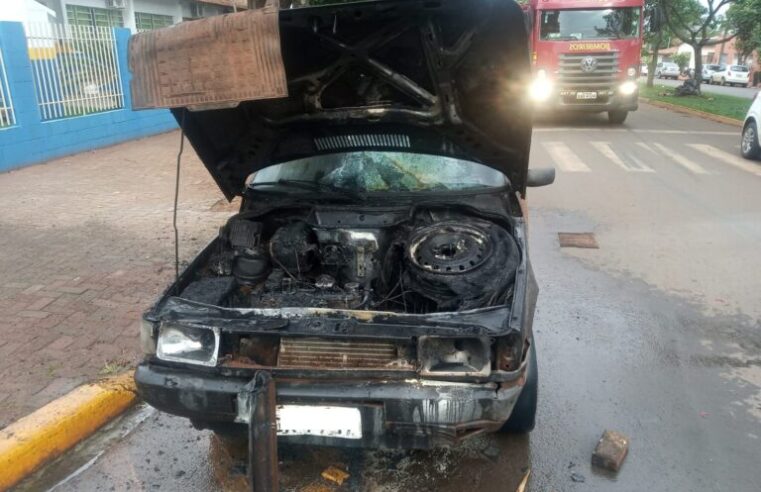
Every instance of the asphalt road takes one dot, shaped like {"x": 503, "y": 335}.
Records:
{"x": 746, "y": 92}
{"x": 655, "y": 334}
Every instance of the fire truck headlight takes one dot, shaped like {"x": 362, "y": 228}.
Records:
{"x": 541, "y": 87}
{"x": 628, "y": 88}
{"x": 631, "y": 72}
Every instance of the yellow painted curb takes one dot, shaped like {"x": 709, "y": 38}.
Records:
{"x": 694, "y": 112}
{"x": 48, "y": 432}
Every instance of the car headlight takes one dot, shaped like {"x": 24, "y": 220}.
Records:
{"x": 454, "y": 356}
{"x": 631, "y": 72}
{"x": 541, "y": 88}
{"x": 628, "y": 88}
{"x": 189, "y": 344}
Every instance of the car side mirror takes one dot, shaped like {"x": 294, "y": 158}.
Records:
{"x": 540, "y": 177}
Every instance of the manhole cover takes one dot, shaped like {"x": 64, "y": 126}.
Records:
{"x": 577, "y": 240}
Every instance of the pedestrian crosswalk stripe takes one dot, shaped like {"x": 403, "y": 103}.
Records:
{"x": 605, "y": 149}
{"x": 680, "y": 159}
{"x": 565, "y": 158}
{"x": 645, "y": 146}
{"x": 731, "y": 159}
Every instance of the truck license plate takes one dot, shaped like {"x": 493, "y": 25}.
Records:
{"x": 586, "y": 95}
{"x": 308, "y": 420}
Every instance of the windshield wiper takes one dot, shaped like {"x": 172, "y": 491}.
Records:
{"x": 310, "y": 186}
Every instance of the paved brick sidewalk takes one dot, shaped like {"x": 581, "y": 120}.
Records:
{"x": 85, "y": 246}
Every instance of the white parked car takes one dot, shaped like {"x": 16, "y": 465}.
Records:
{"x": 667, "y": 70}
{"x": 732, "y": 75}
{"x": 643, "y": 69}
{"x": 750, "y": 144}
{"x": 709, "y": 70}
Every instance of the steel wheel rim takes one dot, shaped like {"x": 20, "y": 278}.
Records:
{"x": 748, "y": 136}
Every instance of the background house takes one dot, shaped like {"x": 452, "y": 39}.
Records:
{"x": 727, "y": 54}
{"x": 723, "y": 53}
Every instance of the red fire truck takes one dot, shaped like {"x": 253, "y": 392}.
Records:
{"x": 586, "y": 55}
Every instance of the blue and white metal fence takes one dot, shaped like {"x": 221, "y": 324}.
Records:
{"x": 7, "y": 118}
{"x": 75, "y": 68}
{"x": 70, "y": 93}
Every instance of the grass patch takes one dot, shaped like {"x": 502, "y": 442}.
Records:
{"x": 718, "y": 104}
{"x": 114, "y": 367}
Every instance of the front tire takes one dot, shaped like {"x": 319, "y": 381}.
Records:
{"x": 617, "y": 117}
{"x": 749, "y": 143}
{"x": 723, "y": 81}
{"x": 523, "y": 418}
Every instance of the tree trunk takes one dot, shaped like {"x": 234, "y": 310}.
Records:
{"x": 698, "y": 48}
{"x": 654, "y": 59}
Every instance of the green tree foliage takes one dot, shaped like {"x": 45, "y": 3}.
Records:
{"x": 681, "y": 59}
{"x": 697, "y": 23}
{"x": 744, "y": 17}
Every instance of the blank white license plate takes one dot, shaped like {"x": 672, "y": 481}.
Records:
{"x": 308, "y": 420}
{"x": 586, "y": 95}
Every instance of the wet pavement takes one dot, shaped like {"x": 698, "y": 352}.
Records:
{"x": 655, "y": 335}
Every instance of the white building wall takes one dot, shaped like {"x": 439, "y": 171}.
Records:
{"x": 26, "y": 11}
{"x": 686, "y": 48}
{"x": 208, "y": 9}
{"x": 161, "y": 7}
{"x": 177, "y": 9}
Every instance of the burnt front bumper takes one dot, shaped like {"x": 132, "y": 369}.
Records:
{"x": 394, "y": 414}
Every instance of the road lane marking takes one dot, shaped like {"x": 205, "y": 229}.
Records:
{"x": 686, "y": 132}
{"x": 565, "y": 158}
{"x": 731, "y": 159}
{"x": 601, "y": 129}
{"x": 642, "y": 167}
{"x": 681, "y": 160}
{"x": 605, "y": 149}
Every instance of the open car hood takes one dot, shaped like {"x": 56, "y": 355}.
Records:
{"x": 441, "y": 77}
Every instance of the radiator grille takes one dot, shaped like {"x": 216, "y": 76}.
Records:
{"x": 572, "y": 77}
{"x": 324, "y": 353}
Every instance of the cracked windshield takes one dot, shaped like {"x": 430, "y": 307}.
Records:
{"x": 385, "y": 171}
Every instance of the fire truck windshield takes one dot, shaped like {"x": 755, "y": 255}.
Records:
{"x": 571, "y": 25}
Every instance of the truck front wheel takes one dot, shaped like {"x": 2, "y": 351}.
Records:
{"x": 617, "y": 117}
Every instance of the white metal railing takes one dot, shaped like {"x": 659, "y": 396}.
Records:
{"x": 76, "y": 69}
{"x": 7, "y": 117}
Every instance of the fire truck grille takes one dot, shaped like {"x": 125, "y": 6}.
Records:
{"x": 603, "y": 77}
{"x": 327, "y": 354}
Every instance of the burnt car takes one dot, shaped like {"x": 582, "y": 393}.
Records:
{"x": 378, "y": 267}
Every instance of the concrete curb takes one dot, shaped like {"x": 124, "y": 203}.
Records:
{"x": 39, "y": 437}
{"x": 692, "y": 112}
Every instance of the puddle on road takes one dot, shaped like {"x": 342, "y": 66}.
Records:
{"x": 148, "y": 450}
{"x": 86, "y": 454}
{"x": 486, "y": 463}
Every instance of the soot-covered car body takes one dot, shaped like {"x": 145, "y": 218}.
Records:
{"x": 378, "y": 267}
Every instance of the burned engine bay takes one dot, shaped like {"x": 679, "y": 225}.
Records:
{"x": 416, "y": 261}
